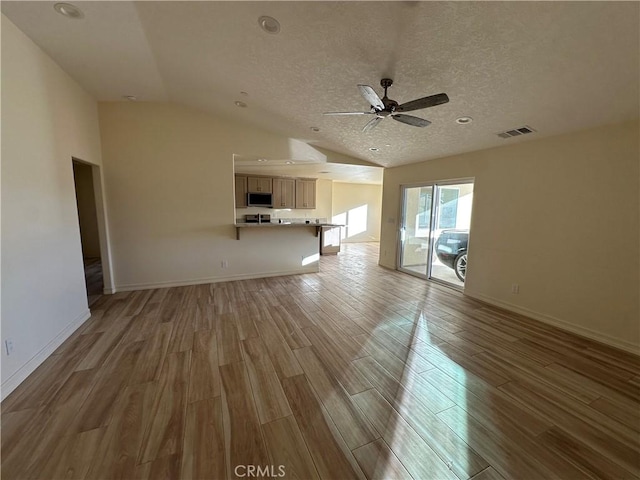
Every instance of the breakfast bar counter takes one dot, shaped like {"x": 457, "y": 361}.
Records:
{"x": 316, "y": 226}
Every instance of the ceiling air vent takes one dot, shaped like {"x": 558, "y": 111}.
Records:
{"x": 516, "y": 132}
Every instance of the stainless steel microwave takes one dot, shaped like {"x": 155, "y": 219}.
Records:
{"x": 259, "y": 200}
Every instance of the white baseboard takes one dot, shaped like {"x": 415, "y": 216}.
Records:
{"x": 10, "y": 384}
{"x": 200, "y": 281}
{"x": 562, "y": 324}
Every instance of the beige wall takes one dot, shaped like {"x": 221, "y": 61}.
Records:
{"x": 560, "y": 217}
{"x": 169, "y": 177}
{"x": 358, "y": 205}
{"x": 89, "y": 235}
{"x": 46, "y": 119}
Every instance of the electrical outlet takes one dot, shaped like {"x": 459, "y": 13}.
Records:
{"x": 224, "y": 264}
{"x": 8, "y": 345}
{"x": 515, "y": 288}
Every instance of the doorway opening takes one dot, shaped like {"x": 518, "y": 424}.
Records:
{"x": 435, "y": 230}
{"x": 89, "y": 230}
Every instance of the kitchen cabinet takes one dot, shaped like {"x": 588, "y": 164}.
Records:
{"x": 284, "y": 193}
{"x": 259, "y": 185}
{"x": 241, "y": 191}
{"x": 306, "y": 193}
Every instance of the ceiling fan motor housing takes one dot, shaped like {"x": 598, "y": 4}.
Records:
{"x": 389, "y": 105}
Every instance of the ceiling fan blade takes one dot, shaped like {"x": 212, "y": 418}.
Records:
{"x": 372, "y": 124}
{"x": 371, "y": 96}
{"x": 411, "y": 120}
{"x": 425, "y": 102}
{"x": 348, "y": 113}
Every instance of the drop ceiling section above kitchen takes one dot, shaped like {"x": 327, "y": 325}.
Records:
{"x": 340, "y": 172}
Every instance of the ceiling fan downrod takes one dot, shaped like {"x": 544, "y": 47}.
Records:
{"x": 389, "y": 105}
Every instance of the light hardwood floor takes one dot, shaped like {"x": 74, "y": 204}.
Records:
{"x": 93, "y": 279}
{"x": 354, "y": 372}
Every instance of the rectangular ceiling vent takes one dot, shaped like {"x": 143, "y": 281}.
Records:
{"x": 516, "y": 132}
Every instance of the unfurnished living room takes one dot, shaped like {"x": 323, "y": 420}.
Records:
{"x": 320, "y": 240}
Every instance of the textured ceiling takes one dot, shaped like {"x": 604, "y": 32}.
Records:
{"x": 555, "y": 66}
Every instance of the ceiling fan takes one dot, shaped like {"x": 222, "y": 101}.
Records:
{"x": 385, "y": 107}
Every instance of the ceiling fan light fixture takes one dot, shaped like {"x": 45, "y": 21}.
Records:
{"x": 269, "y": 24}
{"x": 68, "y": 10}
{"x": 464, "y": 120}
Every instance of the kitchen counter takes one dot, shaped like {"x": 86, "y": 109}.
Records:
{"x": 316, "y": 226}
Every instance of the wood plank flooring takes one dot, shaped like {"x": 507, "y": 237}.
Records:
{"x": 353, "y": 372}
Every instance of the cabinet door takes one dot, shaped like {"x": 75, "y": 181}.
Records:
{"x": 259, "y": 185}
{"x": 241, "y": 191}
{"x": 284, "y": 193}
{"x": 305, "y": 193}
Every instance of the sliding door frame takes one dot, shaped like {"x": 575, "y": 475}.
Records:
{"x": 435, "y": 199}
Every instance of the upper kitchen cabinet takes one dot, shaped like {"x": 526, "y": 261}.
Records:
{"x": 259, "y": 185}
{"x": 306, "y": 193}
{"x": 284, "y": 193}
{"x": 241, "y": 191}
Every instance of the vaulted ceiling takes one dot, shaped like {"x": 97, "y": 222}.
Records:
{"x": 554, "y": 66}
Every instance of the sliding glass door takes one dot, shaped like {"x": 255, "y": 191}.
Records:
{"x": 415, "y": 231}
{"x": 434, "y": 231}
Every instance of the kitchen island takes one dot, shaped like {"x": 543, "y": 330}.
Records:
{"x": 279, "y": 248}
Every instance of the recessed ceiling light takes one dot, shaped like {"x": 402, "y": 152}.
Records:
{"x": 68, "y": 10}
{"x": 387, "y": 144}
{"x": 464, "y": 120}
{"x": 263, "y": 160}
{"x": 131, "y": 98}
{"x": 240, "y": 104}
{"x": 314, "y": 129}
{"x": 289, "y": 162}
{"x": 374, "y": 149}
{"x": 269, "y": 24}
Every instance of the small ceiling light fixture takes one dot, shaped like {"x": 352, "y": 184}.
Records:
{"x": 269, "y": 24}
{"x": 68, "y": 10}
{"x": 240, "y": 104}
{"x": 374, "y": 149}
{"x": 289, "y": 162}
{"x": 464, "y": 120}
{"x": 131, "y": 98}
{"x": 314, "y": 129}
{"x": 263, "y": 160}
